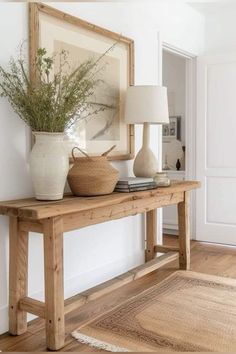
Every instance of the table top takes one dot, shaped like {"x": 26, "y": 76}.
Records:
{"x": 35, "y": 209}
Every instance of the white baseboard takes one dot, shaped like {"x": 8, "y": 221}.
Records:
{"x": 83, "y": 281}
{"x": 3, "y": 319}
{"x": 170, "y": 231}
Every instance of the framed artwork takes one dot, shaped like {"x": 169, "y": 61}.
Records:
{"x": 172, "y": 130}
{"x": 56, "y": 31}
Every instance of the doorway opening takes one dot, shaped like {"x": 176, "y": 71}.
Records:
{"x": 178, "y": 138}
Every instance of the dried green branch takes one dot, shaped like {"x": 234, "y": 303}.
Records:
{"x": 58, "y": 100}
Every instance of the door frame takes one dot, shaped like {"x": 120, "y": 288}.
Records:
{"x": 190, "y": 123}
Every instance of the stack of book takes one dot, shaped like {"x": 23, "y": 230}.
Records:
{"x": 134, "y": 184}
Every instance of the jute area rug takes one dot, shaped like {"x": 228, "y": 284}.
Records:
{"x": 187, "y": 311}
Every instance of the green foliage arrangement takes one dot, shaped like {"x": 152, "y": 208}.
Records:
{"x": 54, "y": 102}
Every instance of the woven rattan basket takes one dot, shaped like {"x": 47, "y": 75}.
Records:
{"x": 92, "y": 175}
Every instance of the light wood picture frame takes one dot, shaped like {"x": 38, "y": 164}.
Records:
{"x": 53, "y": 29}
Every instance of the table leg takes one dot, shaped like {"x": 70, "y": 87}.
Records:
{"x": 151, "y": 234}
{"x": 184, "y": 233}
{"x": 18, "y": 276}
{"x": 54, "y": 287}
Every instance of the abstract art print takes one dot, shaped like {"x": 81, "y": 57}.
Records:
{"x": 56, "y": 31}
{"x": 172, "y": 130}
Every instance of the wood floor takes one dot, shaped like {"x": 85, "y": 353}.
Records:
{"x": 205, "y": 258}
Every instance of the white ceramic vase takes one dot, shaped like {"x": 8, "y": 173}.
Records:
{"x": 49, "y": 165}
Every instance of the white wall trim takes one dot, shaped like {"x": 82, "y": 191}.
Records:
{"x": 159, "y": 73}
{"x": 190, "y": 123}
{"x": 190, "y": 133}
{"x": 170, "y": 231}
{"x": 178, "y": 51}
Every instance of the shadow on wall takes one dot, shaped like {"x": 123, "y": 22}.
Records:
{"x": 15, "y": 147}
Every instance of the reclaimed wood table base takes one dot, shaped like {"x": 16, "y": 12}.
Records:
{"x": 52, "y": 219}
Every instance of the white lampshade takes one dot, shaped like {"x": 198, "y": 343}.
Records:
{"x": 146, "y": 104}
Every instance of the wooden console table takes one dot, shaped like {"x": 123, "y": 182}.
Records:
{"x": 52, "y": 219}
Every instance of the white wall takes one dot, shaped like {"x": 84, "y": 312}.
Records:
{"x": 221, "y": 30}
{"x": 97, "y": 253}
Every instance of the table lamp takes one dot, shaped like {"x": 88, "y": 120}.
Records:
{"x": 146, "y": 105}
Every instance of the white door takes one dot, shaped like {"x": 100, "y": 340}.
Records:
{"x": 216, "y": 149}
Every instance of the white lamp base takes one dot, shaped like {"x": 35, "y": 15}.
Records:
{"x": 145, "y": 163}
